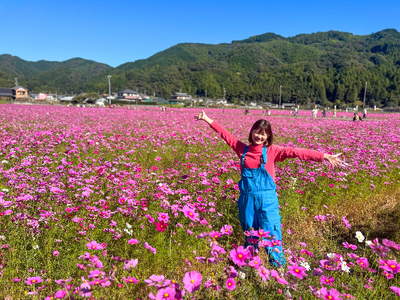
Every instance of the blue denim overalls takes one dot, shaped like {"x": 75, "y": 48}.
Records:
{"x": 258, "y": 205}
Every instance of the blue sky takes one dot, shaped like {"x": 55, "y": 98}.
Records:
{"x": 119, "y": 31}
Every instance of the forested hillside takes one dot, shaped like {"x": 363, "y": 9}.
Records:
{"x": 324, "y": 67}
{"x": 70, "y": 75}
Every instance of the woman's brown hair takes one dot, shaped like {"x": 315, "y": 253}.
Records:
{"x": 262, "y": 126}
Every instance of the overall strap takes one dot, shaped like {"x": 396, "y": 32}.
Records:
{"x": 264, "y": 157}
{"x": 243, "y": 155}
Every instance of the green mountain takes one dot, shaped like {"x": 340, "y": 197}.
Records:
{"x": 70, "y": 75}
{"x": 324, "y": 68}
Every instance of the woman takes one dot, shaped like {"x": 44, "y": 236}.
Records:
{"x": 258, "y": 202}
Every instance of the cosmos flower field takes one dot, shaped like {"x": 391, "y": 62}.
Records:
{"x": 141, "y": 204}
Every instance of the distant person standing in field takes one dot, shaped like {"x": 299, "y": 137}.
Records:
{"x": 295, "y": 112}
{"x": 334, "y": 113}
{"x": 258, "y": 203}
{"x": 314, "y": 113}
{"x": 365, "y": 113}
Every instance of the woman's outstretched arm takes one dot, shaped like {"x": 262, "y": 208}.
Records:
{"x": 232, "y": 142}
{"x": 282, "y": 153}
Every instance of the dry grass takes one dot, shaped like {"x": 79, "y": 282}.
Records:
{"x": 377, "y": 216}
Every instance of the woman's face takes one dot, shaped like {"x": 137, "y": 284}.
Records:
{"x": 259, "y": 137}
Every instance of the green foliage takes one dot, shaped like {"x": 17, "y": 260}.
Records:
{"x": 319, "y": 68}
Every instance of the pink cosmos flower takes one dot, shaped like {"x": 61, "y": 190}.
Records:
{"x": 278, "y": 278}
{"x": 129, "y": 279}
{"x": 189, "y": 213}
{"x": 349, "y": 246}
{"x": 133, "y": 241}
{"x": 320, "y": 218}
{"x": 332, "y": 294}
{"x": 363, "y": 262}
{"x": 163, "y": 217}
{"x": 56, "y": 253}
{"x": 326, "y": 280}
{"x": 255, "y": 262}
{"x": 346, "y": 222}
{"x": 263, "y": 273}
{"x": 130, "y": 264}
{"x": 192, "y": 281}
{"x": 215, "y": 234}
{"x": 230, "y": 284}
{"x": 262, "y": 233}
{"x": 154, "y": 279}
{"x": 348, "y": 296}
{"x": 297, "y": 271}
{"x": 161, "y": 226}
{"x": 391, "y": 266}
{"x": 276, "y": 243}
{"x": 239, "y": 255}
{"x": 93, "y": 245}
{"x": 395, "y": 290}
{"x": 231, "y": 272}
{"x": 150, "y": 248}
{"x": 60, "y": 294}
{"x": 391, "y": 244}
{"x": 158, "y": 158}
{"x": 33, "y": 280}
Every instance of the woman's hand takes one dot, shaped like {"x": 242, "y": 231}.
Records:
{"x": 203, "y": 116}
{"x": 333, "y": 159}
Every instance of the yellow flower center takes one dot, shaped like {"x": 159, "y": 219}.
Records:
{"x": 33, "y": 280}
{"x": 173, "y": 281}
{"x": 297, "y": 271}
{"x": 392, "y": 266}
{"x": 192, "y": 281}
{"x": 329, "y": 297}
{"x": 229, "y": 284}
{"x": 240, "y": 255}
{"x": 166, "y": 295}
{"x": 130, "y": 280}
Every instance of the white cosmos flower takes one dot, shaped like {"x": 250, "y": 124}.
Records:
{"x": 360, "y": 236}
{"x": 368, "y": 242}
{"x": 4, "y": 162}
{"x": 2, "y": 237}
{"x": 306, "y": 265}
{"x": 5, "y": 190}
{"x": 345, "y": 267}
{"x": 36, "y": 247}
{"x": 331, "y": 255}
{"x": 129, "y": 226}
{"x": 242, "y": 275}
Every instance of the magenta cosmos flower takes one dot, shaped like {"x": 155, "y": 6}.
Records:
{"x": 192, "y": 281}
{"x": 60, "y": 294}
{"x": 297, "y": 271}
{"x": 395, "y": 290}
{"x": 332, "y": 294}
{"x": 129, "y": 279}
{"x": 239, "y": 255}
{"x": 189, "y": 213}
{"x": 93, "y": 245}
{"x": 230, "y": 284}
{"x": 33, "y": 280}
{"x": 278, "y": 278}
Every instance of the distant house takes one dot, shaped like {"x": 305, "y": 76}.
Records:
{"x": 181, "y": 97}
{"x": 128, "y": 95}
{"x": 41, "y": 97}
{"x": 20, "y": 93}
{"x": 6, "y": 93}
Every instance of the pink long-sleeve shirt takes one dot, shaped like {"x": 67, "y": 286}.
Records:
{"x": 274, "y": 153}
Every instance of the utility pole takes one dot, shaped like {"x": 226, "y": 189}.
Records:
{"x": 280, "y": 96}
{"x": 224, "y": 93}
{"x": 365, "y": 93}
{"x": 16, "y": 81}
{"x": 109, "y": 89}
